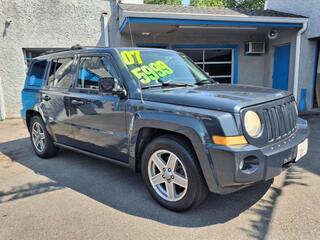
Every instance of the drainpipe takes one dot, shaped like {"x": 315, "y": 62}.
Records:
{"x": 297, "y": 60}
{"x": 105, "y": 29}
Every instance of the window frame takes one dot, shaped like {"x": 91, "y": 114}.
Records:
{"x": 72, "y": 71}
{"x": 202, "y": 63}
{"x": 74, "y": 87}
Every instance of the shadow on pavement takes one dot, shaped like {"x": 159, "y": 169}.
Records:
{"x": 311, "y": 162}
{"x": 28, "y": 190}
{"x": 262, "y": 212}
{"x": 120, "y": 188}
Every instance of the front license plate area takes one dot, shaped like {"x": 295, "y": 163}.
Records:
{"x": 302, "y": 150}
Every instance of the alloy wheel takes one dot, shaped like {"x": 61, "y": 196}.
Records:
{"x": 38, "y": 137}
{"x": 167, "y": 175}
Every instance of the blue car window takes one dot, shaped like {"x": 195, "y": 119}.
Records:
{"x": 36, "y": 73}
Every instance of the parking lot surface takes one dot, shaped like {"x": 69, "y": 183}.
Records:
{"x": 73, "y": 196}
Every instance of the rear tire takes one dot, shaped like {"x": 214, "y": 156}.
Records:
{"x": 40, "y": 138}
{"x": 172, "y": 174}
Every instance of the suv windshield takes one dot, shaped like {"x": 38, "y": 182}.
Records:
{"x": 154, "y": 68}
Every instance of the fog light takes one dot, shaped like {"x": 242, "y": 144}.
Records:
{"x": 249, "y": 164}
{"x": 241, "y": 165}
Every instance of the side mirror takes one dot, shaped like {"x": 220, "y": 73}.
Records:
{"x": 111, "y": 85}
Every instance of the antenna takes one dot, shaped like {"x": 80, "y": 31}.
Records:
{"x": 132, "y": 45}
{"x": 140, "y": 88}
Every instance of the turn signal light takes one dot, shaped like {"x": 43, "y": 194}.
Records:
{"x": 229, "y": 141}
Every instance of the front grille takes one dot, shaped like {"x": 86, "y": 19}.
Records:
{"x": 280, "y": 120}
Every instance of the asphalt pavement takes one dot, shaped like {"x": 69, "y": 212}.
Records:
{"x": 73, "y": 196}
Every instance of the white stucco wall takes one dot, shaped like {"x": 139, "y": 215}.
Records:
{"x": 1, "y": 100}
{"x": 42, "y": 24}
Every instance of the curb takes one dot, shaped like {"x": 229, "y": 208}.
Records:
{"x": 309, "y": 113}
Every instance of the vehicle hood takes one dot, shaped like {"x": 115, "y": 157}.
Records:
{"x": 223, "y": 97}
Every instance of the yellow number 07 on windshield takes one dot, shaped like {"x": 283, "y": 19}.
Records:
{"x": 130, "y": 57}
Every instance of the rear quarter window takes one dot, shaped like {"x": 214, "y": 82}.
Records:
{"x": 36, "y": 73}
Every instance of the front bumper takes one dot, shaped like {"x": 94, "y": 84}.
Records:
{"x": 267, "y": 162}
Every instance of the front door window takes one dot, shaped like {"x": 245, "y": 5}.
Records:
{"x": 92, "y": 69}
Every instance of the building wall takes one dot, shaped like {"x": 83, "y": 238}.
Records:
{"x": 254, "y": 70}
{"x": 284, "y": 37}
{"x": 306, "y": 73}
{"x": 307, "y": 69}
{"x": 1, "y": 100}
{"x": 59, "y": 23}
{"x": 308, "y": 8}
{"x": 43, "y": 24}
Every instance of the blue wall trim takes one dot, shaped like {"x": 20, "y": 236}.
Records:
{"x": 124, "y": 24}
{"x": 235, "y": 66}
{"x": 233, "y": 46}
{"x": 204, "y": 22}
{"x": 315, "y": 68}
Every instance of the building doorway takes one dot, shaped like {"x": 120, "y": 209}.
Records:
{"x": 281, "y": 66}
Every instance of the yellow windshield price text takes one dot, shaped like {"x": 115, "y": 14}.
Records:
{"x": 131, "y": 57}
{"x": 151, "y": 72}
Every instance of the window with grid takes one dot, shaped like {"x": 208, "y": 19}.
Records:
{"x": 30, "y": 53}
{"x": 218, "y": 63}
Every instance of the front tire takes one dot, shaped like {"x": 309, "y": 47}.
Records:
{"x": 41, "y": 140}
{"x": 172, "y": 175}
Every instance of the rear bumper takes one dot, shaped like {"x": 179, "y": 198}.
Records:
{"x": 264, "y": 163}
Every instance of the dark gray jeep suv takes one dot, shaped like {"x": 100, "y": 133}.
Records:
{"x": 157, "y": 112}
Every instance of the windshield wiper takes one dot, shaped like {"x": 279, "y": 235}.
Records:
{"x": 171, "y": 84}
{"x": 168, "y": 84}
{"x": 204, "y": 81}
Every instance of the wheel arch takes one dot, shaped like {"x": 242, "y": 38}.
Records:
{"x": 146, "y": 126}
{"x": 29, "y": 115}
{"x": 37, "y": 111}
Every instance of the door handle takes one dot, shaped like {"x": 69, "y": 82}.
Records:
{"x": 46, "y": 98}
{"x": 77, "y": 102}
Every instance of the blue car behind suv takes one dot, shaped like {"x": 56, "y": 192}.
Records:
{"x": 155, "y": 111}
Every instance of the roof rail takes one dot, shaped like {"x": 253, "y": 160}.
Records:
{"x": 74, "y": 47}
{"x": 77, "y": 46}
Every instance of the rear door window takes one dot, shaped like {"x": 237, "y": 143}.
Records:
{"x": 36, "y": 73}
{"x": 60, "y": 75}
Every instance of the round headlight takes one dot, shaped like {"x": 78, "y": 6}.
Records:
{"x": 252, "y": 124}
